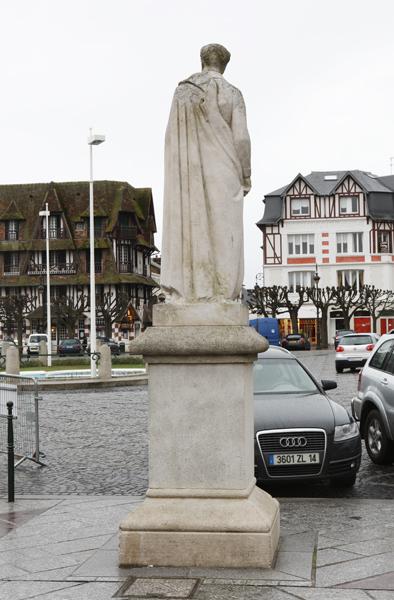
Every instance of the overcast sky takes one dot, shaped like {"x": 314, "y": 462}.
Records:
{"x": 317, "y": 77}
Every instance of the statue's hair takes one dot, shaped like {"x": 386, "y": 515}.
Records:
{"x": 214, "y": 53}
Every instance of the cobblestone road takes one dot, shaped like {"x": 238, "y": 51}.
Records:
{"x": 96, "y": 443}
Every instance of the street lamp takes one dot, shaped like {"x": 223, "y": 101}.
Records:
{"x": 93, "y": 140}
{"x": 316, "y": 280}
{"x": 45, "y": 213}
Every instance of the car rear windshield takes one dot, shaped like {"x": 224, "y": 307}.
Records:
{"x": 356, "y": 340}
{"x": 281, "y": 376}
{"x": 70, "y": 342}
{"x": 294, "y": 336}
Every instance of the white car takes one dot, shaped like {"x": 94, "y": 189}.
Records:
{"x": 33, "y": 343}
{"x": 353, "y": 350}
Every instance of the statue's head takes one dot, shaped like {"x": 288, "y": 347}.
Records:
{"x": 214, "y": 56}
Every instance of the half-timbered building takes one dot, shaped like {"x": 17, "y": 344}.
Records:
{"x": 124, "y": 227}
{"x": 340, "y": 222}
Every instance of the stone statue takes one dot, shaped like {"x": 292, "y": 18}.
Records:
{"x": 207, "y": 174}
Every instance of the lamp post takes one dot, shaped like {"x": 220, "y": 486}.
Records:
{"x": 93, "y": 140}
{"x": 45, "y": 213}
{"x": 316, "y": 280}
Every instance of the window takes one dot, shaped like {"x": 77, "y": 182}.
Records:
{"x": 11, "y": 264}
{"x": 281, "y": 376}
{"x": 351, "y": 278}
{"x": 12, "y": 230}
{"x": 301, "y": 244}
{"x": 349, "y": 243}
{"x": 384, "y": 242}
{"x": 348, "y": 205}
{"x": 300, "y": 207}
{"x": 380, "y": 355}
{"x": 300, "y": 279}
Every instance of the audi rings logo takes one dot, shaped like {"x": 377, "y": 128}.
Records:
{"x": 293, "y": 442}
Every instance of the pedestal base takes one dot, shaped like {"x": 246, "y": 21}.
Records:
{"x": 202, "y": 508}
{"x": 202, "y": 532}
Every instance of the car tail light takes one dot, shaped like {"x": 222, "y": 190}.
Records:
{"x": 340, "y": 349}
{"x": 370, "y": 347}
{"x": 359, "y": 380}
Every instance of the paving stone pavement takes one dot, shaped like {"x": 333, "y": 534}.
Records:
{"x": 65, "y": 548}
{"x": 96, "y": 442}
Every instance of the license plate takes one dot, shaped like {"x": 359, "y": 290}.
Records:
{"x": 303, "y": 458}
{"x": 353, "y": 358}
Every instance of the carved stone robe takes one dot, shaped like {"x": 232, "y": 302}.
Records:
{"x": 207, "y": 166}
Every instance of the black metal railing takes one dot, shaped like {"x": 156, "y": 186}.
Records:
{"x": 55, "y": 233}
{"x": 125, "y": 267}
{"x": 55, "y": 269}
{"x": 11, "y": 234}
{"x": 98, "y": 267}
{"x": 11, "y": 270}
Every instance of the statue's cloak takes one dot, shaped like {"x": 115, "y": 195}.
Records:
{"x": 207, "y": 160}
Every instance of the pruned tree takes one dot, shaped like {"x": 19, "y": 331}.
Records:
{"x": 376, "y": 301}
{"x": 68, "y": 310}
{"x": 112, "y": 308}
{"x": 323, "y": 298}
{"x": 348, "y": 300}
{"x": 266, "y": 301}
{"x": 293, "y": 300}
{"x": 14, "y": 309}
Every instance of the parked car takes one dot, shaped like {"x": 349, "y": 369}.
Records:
{"x": 339, "y": 334}
{"x": 114, "y": 346}
{"x": 300, "y": 433}
{"x": 296, "y": 341}
{"x": 353, "y": 350}
{"x": 374, "y": 404}
{"x": 71, "y": 346}
{"x": 33, "y": 342}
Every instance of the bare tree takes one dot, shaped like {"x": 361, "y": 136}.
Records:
{"x": 112, "y": 308}
{"x": 267, "y": 301}
{"x": 293, "y": 300}
{"x": 376, "y": 301}
{"x": 68, "y": 310}
{"x": 323, "y": 299}
{"x": 348, "y": 300}
{"x": 14, "y": 309}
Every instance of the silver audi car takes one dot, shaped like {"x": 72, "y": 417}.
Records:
{"x": 300, "y": 433}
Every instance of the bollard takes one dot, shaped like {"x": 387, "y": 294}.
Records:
{"x": 43, "y": 353}
{"x": 105, "y": 364}
{"x": 10, "y": 449}
{"x": 12, "y": 364}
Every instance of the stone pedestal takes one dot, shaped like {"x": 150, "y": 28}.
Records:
{"x": 12, "y": 366}
{"x": 43, "y": 353}
{"x": 105, "y": 363}
{"x": 202, "y": 506}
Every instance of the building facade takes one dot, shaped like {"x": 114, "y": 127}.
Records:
{"x": 340, "y": 223}
{"x": 124, "y": 227}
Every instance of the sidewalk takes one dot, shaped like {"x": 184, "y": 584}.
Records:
{"x": 65, "y": 548}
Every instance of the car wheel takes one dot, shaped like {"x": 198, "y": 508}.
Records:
{"x": 353, "y": 369}
{"x": 378, "y": 445}
{"x": 339, "y": 369}
{"x": 344, "y": 481}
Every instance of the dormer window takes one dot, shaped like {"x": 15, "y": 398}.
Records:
{"x": 300, "y": 207}
{"x": 12, "y": 230}
{"x": 348, "y": 205}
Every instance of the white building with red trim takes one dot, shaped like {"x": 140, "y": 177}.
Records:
{"x": 341, "y": 221}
